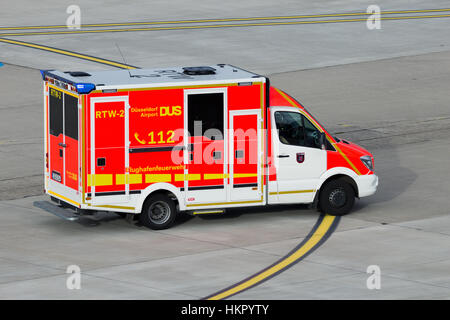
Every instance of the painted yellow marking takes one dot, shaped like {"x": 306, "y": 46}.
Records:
{"x": 221, "y": 203}
{"x": 122, "y": 24}
{"x": 100, "y": 180}
{"x": 313, "y": 240}
{"x": 262, "y": 136}
{"x": 211, "y": 176}
{"x": 175, "y": 87}
{"x": 244, "y": 175}
{"x": 115, "y": 207}
{"x": 285, "y": 96}
{"x": 294, "y": 191}
{"x": 132, "y": 179}
{"x": 189, "y": 177}
{"x": 64, "y": 198}
{"x": 151, "y": 178}
{"x": 207, "y": 212}
{"x": 73, "y": 94}
{"x": 346, "y": 159}
{"x": 217, "y": 26}
{"x": 68, "y": 53}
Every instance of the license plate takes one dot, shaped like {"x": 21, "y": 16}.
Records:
{"x": 56, "y": 176}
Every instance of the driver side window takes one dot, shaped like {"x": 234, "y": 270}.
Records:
{"x": 294, "y": 129}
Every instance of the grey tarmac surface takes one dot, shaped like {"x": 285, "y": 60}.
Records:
{"x": 264, "y": 50}
{"x": 389, "y": 94}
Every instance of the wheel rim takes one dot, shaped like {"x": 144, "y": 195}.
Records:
{"x": 337, "y": 198}
{"x": 159, "y": 212}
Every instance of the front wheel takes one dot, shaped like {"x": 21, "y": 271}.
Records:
{"x": 159, "y": 212}
{"x": 337, "y": 198}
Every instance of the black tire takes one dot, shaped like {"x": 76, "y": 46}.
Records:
{"x": 159, "y": 212}
{"x": 337, "y": 197}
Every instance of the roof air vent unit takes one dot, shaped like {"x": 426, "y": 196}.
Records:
{"x": 78, "y": 73}
{"x": 198, "y": 71}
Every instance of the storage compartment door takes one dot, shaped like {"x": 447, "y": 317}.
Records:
{"x": 245, "y": 156}
{"x": 109, "y": 180}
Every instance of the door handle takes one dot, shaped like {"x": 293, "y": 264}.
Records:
{"x": 283, "y": 156}
{"x": 62, "y": 145}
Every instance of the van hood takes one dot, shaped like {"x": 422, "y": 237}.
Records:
{"x": 352, "y": 149}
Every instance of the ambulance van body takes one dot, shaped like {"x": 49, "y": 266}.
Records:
{"x": 155, "y": 142}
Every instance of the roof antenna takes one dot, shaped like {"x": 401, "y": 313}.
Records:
{"x": 120, "y": 51}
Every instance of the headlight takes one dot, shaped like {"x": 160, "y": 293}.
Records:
{"x": 367, "y": 160}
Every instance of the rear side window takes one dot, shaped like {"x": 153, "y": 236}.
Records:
{"x": 56, "y": 112}
{"x": 70, "y": 116}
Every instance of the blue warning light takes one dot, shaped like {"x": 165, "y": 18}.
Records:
{"x": 85, "y": 87}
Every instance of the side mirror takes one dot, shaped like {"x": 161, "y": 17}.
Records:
{"x": 322, "y": 138}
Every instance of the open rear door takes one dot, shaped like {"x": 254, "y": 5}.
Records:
{"x": 109, "y": 177}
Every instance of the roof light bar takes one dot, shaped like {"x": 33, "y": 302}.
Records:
{"x": 85, "y": 88}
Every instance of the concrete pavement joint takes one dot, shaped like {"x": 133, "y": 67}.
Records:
{"x": 357, "y": 62}
{"x": 384, "y": 274}
{"x": 98, "y": 277}
{"x": 395, "y": 224}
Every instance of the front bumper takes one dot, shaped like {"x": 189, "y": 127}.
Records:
{"x": 367, "y": 185}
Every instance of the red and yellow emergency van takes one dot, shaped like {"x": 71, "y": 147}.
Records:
{"x": 155, "y": 142}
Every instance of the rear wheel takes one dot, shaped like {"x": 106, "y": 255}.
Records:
{"x": 159, "y": 212}
{"x": 337, "y": 198}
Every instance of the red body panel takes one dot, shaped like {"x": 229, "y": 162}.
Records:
{"x": 353, "y": 152}
{"x": 156, "y": 125}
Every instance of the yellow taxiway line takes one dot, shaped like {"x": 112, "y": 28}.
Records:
{"x": 215, "y": 26}
{"x": 322, "y": 230}
{"x": 326, "y": 15}
{"x": 68, "y": 53}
